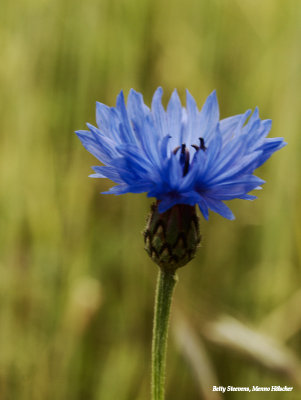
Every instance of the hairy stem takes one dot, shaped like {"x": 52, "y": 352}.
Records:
{"x": 165, "y": 286}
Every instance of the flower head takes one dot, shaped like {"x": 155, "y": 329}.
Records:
{"x": 179, "y": 155}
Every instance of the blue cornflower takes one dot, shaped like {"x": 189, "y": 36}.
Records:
{"x": 179, "y": 155}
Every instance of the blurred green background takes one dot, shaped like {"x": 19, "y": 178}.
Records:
{"x": 76, "y": 286}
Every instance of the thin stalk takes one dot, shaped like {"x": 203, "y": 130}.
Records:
{"x": 165, "y": 286}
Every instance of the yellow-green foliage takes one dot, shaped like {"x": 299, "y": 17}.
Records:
{"x": 76, "y": 286}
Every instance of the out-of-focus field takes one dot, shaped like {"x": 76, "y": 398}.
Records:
{"x": 76, "y": 286}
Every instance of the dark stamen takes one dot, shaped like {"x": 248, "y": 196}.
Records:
{"x": 202, "y": 144}
{"x": 176, "y": 150}
{"x": 184, "y": 159}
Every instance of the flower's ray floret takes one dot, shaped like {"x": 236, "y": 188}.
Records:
{"x": 179, "y": 155}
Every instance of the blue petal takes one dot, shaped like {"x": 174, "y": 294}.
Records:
{"x": 158, "y": 113}
{"x": 238, "y": 129}
{"x": 166, "y": 204}
{"x": 107, "y": 120}
{"x": 204, "y": 209}
{"x": 135, "y": 108}
{"x": 176, "y": 198}
{"x": 232, "y": 131}
{"x": 229, "y": 156}
{"x": 103, "y": 118}
{"x": 163, "y": 146}
{"x": 193, "y": 125}
{"x": 228, "y": 125}
{"x": 106, "y": 172}
{"x": 220, "y": 208}
{"x": 213, "y": 150}
{"x": 245, "y": 165}
{"x": 233, "y": 189}
{"x": 119, "y": 189}
{"x": 122, "y": 189}
{"x": 269, "y": 147}
{"x": 174, "y": 119}
{"x": 248, "y": 197}
{"x": 209, "y": 117}
{"x": 149, "y": 145}
{"x": 134, "y": 154}
{"x": 120, "y": 105}
{"x": 259, "y": 136}
{"x": 97, "y": 148}
{"x": 254, "y": 118}
{"x": 175, "y": 172}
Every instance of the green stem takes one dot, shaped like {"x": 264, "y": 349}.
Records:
{"x": 165, "y": 286}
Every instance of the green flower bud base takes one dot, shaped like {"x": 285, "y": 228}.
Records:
{"x": 172, "y": 238}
